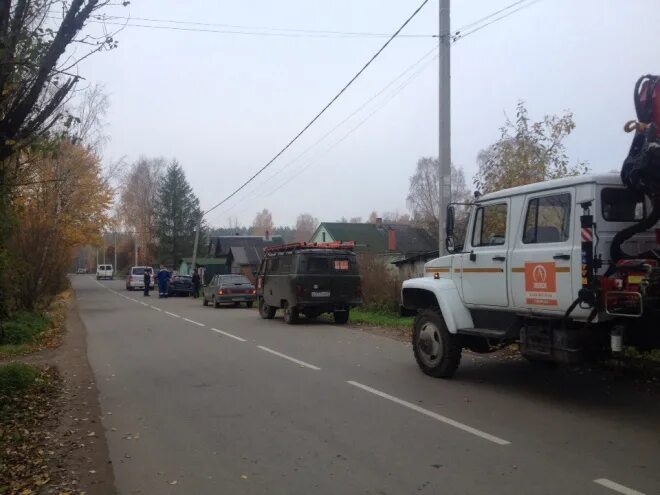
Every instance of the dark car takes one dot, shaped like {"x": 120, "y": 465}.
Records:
{"x": 309, "y": 279}
{"x": 229, "y": 289}
{"x": 180, "y": 285}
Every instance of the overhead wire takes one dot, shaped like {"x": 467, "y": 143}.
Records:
{"x": 323, "y": 110}
{"x": 456, "y": 35}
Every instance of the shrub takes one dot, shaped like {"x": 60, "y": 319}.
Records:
{"x": 16, "y": 376}
{"x": 23, "y": 327}
{"x": 380, "y": 287}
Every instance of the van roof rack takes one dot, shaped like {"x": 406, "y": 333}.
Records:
{"x": 310, "y": 245}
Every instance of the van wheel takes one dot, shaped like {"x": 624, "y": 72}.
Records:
{"x": 437, "y": 352}
{"x": 341, "y": 317}
{"x": 265, "y": 311}
{"x": 204, "y": 301}
{"x": 291, "y": 315}
{"x": 216, "y": 304}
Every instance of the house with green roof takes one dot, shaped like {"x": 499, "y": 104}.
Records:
{"x": 391, "y": 240}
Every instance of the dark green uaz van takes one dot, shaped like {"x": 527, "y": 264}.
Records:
{"x": 309, "y": 279}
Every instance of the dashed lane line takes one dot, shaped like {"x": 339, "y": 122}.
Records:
{"x": 172, "y": 314}
{"x": 227, "y": 334}
{"x": 156, "y": 308}
{"x": 616, "y": 487}
{"x": 194, "y": 322}
{"x": 293, "y": 360}
{"x": 431, "y": 414}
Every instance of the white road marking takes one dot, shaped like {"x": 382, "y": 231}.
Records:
{"x": 194, "y": 322}
{"x": 293, "y": 360}
{"x": 144, "y": 304}
{"x": 616, "y": 487}
{"x": 172, "y": 314}
{"x": 431, "y": 414}
{"x": 227, "y": 334}
{"x": 156, "y": 308}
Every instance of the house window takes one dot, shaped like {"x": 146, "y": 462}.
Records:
{"x": 548, "y": 219}
{"x": 323, "y": 234}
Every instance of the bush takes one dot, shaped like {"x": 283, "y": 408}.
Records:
{"x": 16, "y": 376}
{"x": 23, "y": 327}
{"x": 380, "y": 287}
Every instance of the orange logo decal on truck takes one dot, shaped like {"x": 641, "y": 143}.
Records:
{"x": 541, "y": 283}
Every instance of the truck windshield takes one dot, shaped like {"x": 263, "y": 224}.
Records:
{"x": 622, "y": 205}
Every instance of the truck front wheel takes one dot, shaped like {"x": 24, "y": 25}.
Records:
{"x": 437, "y": 352}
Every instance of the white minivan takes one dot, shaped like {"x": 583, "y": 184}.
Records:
{"x": 104, "y": 271}
{"x": 135, "y": 277}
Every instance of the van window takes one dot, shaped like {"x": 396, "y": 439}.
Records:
{"x": 622, "y": 205}
{"x": 138, "y": 271}
{"x": 548, "y": 219}
{"x": 318, "y": 264}
{"x": 285, "y": 264}
{"x": 489, "y": 226}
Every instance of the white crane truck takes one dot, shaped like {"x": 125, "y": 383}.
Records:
{"x": 568, "y": 268}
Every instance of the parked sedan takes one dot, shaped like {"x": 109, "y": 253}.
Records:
{"x": 229, "y": 289}
{"x": 180, "y": 285}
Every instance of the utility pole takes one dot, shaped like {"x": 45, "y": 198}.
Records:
{"x": 115, "y": 251}
{"x": 444, "y": 155}
{"x": 136, "y": 250}
{"x": 196, "y": 243}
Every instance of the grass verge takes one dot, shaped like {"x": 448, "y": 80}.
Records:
{"x": 27, "y": 332}
{"x": 28, "y": 406}
{"x": 365, "y": 316}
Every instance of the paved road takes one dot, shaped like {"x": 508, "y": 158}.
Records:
{"x": 206, "y": 401}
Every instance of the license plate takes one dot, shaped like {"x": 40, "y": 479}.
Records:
{"x": 321, "y": 294}
{"x": 238, "y": 299}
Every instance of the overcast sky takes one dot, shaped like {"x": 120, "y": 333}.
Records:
{"x": 223, "y": 104}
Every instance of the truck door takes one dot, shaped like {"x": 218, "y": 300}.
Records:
{"x": 483, "y": 265}
{"x": 543, "y": 252}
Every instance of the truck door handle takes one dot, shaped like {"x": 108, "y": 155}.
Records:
{"x": 562, "y": 256}
{"x": 499, "y": 258}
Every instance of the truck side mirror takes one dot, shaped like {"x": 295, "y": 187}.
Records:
{"x": 449, "y": 229}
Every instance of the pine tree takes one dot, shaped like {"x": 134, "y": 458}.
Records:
{"x": 177, "y": 213}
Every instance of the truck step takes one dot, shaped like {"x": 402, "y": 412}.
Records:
{"x": 489, "y": 333}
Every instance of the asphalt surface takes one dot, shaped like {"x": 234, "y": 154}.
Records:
{"x": 199, "y": 400}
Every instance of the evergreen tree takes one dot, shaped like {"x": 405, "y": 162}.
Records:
{"x": 177, "y": 213}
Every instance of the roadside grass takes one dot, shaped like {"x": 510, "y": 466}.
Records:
{"x": 28, "y": 406}
{"x": 27, "y": 332}
{"x": 366, "y": 316}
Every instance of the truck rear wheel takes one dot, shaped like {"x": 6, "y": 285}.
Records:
{"x": 265, "y": 311}
{"x": 437, "y": 352}
{"x": 341, "y": 317}
{"x": 291, "y": 315}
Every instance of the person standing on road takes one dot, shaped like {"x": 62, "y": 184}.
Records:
{"x": 147, "y": 281}
{"x": 196, "y": 282}
{"x": 163, "y": 281}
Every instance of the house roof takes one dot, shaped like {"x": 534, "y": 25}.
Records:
{"x": 371, "y": 237}
{"x": 206, "y": 261}
{"x": 252, "y": 247}
{"x": 367, "y": 236}
{"x": 417, "y": 257}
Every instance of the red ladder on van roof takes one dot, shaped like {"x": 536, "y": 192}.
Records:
{"x": 310, "y": 245}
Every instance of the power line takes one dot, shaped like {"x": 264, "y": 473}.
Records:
{"x": 254, "y": 30}
{"x": 460, "y": 35}
{"x": 318, "y": 115}
{"x": 337, "y": 126}
{"x": 456, "y": 36}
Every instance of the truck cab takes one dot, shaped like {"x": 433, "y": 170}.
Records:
{"x": 529, "y": 271}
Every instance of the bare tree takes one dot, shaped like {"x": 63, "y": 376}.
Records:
{"x": 373, "y": 216}
{"x": 355, "y": 220}
{"x": 137, "y": 198}
{"x": 305, "y": 226}
{"x": 424, "y": 196}
{"x": 263, "y": 223}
